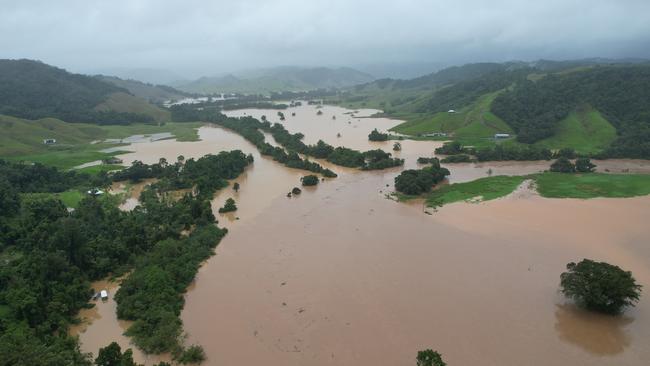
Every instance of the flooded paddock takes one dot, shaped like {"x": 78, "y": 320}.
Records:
{"x": 340, "y": 275}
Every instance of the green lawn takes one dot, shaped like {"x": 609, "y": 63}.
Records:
{"x": 69, "y": 198}
{"x": 591, "y": 185}
{"x": 585, "y": 130}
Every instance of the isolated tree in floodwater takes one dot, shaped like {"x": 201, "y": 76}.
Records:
{"x": 309, "y": 180}
{"x": 584, "y": 165}
{"x": 600, "y": 286}
{"x": 235, "y": 187}
{"x": 563, "y": 165}
{"x": 229, "y": 206}
{"x": 429, "y": 357}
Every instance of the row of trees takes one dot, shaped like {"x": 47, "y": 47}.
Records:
{"x": 564, "y": 165}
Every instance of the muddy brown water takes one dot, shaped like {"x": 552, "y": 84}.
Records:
{"x": 343, "y": 276}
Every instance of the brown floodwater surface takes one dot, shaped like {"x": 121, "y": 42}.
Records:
{"x": 343, "y": 276}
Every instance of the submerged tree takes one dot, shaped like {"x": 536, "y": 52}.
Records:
{"x": 600, "y": 286}
{"x": 584, "y": 165}
{"x": 397, "y": 146}
{"x": 235, "y": 187}
{"x": 429, "y": 357}
{"x": 112, "y": 355}
{"x": 229, "y": 206}
{"x": 309, "y": 180}
{"x": 563, "y": 165}
{"x": 375, "y": 135}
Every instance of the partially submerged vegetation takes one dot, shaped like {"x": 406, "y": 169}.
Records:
{"x": 51, "y": 255}
{"x": 418, "y": 181}
{"x": 547, "y": 184}
{"x": 250, "y": 128}
{"x": 483, "y": 189}
{"x": 600, "y": 286}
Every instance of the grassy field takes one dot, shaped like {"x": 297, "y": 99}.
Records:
{"x": 22, "y": 140}
{"x": 585, "y": 130}
{"x": 69, "y": 198}
{"x": 559, "y": 185}
{"x": 96, "y": 169}
{"x": 485, "y": 189}
{"x": 549, "y": 185}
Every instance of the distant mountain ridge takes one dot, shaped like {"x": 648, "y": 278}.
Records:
{"x": 152, "y": 92}
{"x": 286, "y": 78}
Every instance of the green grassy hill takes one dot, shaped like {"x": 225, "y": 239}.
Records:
{"x": 584, "y": 129}
{"x": 127, "y": 103}
{"x": 471, "y": 124}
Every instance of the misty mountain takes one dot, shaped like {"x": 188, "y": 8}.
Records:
{"x": 145, "y": 75}
{"x": 152, "y": 93}
{"x": 288, "y": 78}
{"x": 32, "y": 89}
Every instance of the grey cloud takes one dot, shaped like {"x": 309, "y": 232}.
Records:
{"x": 195, "y": 37}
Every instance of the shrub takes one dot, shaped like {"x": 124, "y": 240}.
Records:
{"x": 459, "y": 158}
{"x": 599, "y": 286}
{"x": 563, "y": 165}
{"x": 191, "y": 355}
{"x": 584, "y": 165}
{"x": 309, "y": 180}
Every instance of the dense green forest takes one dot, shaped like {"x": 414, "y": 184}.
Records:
{"x": 31, "y": 89}
{"x": 621, "y": 94}
{"x": 50, "y": 254}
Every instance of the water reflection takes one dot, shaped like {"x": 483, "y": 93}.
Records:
{"x": 597, "y": 334}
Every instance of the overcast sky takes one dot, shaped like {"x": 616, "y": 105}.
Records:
{"x": 193, "y": 37}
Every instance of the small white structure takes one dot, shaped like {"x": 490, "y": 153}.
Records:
{"x": 436, "y": 134}
{"x": 95, "y": 192}
{"x": 501, "y": 135}
{"x": 49, "y": 141}
{"x": 103, "y": 294}
{"x": 451, "y": 111}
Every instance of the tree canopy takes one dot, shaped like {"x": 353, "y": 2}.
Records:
{"x": 600, "y": 286}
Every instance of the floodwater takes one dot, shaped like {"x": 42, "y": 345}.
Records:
{"x": 343, "y": 276}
